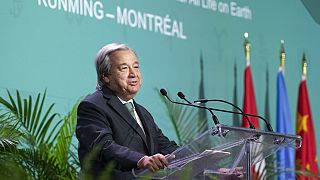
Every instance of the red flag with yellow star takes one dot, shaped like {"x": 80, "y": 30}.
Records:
{"x": 306, "y": 156}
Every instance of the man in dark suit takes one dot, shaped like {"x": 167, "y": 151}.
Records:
{"x": 124, "y": 131}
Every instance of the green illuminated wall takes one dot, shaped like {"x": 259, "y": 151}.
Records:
{"x": 51, "y": 44}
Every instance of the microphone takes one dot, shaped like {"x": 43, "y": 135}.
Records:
{"x": 182, "y": 96}
{"x": 269, "y": 127}
{"x": 214, "y": 117}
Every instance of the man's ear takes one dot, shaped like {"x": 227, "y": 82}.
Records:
{"x": 105, "y": 78}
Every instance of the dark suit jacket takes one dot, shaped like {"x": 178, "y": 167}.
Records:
{"x": 104, "y": 121}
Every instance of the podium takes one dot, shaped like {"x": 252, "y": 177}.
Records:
{"x": 220, "y": 153}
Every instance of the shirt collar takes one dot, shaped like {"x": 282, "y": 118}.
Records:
{"x": 123, "y": 101}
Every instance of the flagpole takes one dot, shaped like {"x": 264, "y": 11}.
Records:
{"x": 282, "y": 57}
{"x": 248, "y": 150}
{"x": 285, "y": 156}
{"x": 304, "y": 66}
{"x": 247, "y": 48}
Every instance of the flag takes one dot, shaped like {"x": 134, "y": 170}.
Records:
{"x": 266, "y": 105}
{"x": 306, "y": 156}
{"x": 249, "y": 107}
{"x": 235, "y": 117}
{"x": 285, "y": 156}
{"x": 270, "y": 160}
{"x": 202, "y": 112}
{"x": 249, "y": 100}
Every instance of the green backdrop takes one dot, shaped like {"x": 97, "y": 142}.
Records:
{"x": 51, "y": 44}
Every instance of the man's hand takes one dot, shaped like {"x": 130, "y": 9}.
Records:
{"x": 153, "y": 163}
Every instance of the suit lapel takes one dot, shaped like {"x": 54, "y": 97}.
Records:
{"x": 116, "y": 104}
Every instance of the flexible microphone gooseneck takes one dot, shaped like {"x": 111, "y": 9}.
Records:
{"x": 244, "y": 114}
{"x": 182, "y": 96}
{"x": 214, "y": 117}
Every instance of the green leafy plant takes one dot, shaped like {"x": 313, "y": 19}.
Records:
{"x": 34, "y": 142}
{"x": 183, "y": 119}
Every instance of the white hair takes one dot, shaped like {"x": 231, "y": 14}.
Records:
{"x": 102, "y": 61}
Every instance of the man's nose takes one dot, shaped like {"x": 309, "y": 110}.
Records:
{"x": 132, "y": 72}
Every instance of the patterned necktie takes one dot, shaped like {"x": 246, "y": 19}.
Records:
{"x": 130, "y": 107}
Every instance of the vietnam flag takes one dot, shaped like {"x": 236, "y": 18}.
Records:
{"x": 306, "y": 158}
{"x": 249, "y": 100}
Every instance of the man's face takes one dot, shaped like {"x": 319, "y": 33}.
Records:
{"x": 124, "y": 77}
